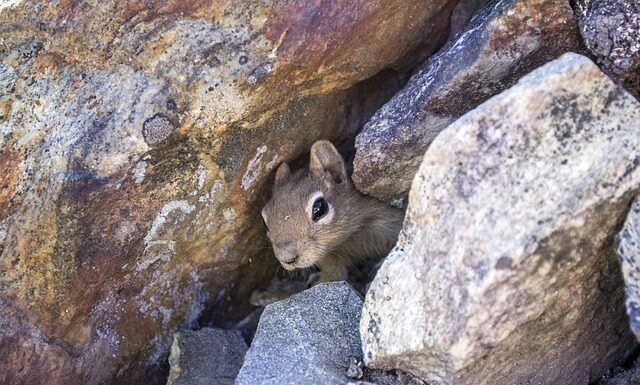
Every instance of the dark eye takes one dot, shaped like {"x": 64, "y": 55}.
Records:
{"x": 319, "y": 209}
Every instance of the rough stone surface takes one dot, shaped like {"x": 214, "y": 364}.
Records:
{"x": 206, "y": 356}
{"x": 136, "y": 143}
{"x": 622, "y": 376}
{"x": 629, "y": 254}
{"x": 505, "y": 271}
{"x": 306, "y": 339}
{"x": 611, "y": 31}
{"x": 504, "y": 41}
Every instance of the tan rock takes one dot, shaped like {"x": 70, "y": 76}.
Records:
{"x": 505, "y": 271}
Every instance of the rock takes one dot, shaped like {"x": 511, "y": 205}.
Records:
{"x": 462, "y": 14}
{"x": 137, "y": 140}
{"x": 611, "y": 31}
{"x": 504, "y": 41}
{"x": 505, "y": 271}
{"x": 306, "y": 339}
{"x": 277, "y": 290}
{"x": 206, "y": 356}
{"x": 629, "y": 254}
{"x": 622, "y": 376}
{"x": 362, "y": 375}
{"x": 248, "y": 325}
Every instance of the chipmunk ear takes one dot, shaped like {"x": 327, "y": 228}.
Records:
{"x": 327, "y": 163}
{"x": 282, "y": 173}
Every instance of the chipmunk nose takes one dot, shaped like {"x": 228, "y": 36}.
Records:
{"x": 292, "y": 260}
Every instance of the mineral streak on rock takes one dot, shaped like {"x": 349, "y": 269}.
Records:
{"x": 126, "y": 130}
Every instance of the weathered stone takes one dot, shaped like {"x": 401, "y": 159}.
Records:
{"x": 307, "y": 338}
{"x": 503, "y": 42}
{"x": 277, "y": 290}
{"x": 629, "y": 253}
{"x": 462, "y": 14}
{"x": 364, "y": 376}
{"x": 622, "y": 376}
{"x": 505, "y": 271}
{"x": 136, "y": 140}
{"x": 206, "y": 356}
{"x": 611, "y": 31}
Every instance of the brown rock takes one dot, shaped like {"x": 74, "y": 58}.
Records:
{"x": 136, "y": 140}
{"x": 504, "y": 41}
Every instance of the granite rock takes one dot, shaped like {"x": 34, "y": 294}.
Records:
{"x": 206, "y": 356}
{"x": 307, "y": 338}
{"x": 505, "y": 271}
{"x": 622, "y": 376}
{"x": 628, "y": 249}
{"x": 505, "y": 40}
{"x": 611, "y": 31}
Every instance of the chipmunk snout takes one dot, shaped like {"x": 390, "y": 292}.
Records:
{"x": 292, "y": 260}
{"x": 286, "y": 254}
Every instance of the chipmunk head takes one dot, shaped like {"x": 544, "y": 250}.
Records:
{"x": 310, "y": 213}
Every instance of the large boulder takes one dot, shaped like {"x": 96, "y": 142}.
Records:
{"x": 206, "y": 356}
{"x": 504, "y": 41}
{"x": 306, "y": 339}
{"x": 505, "y": 271}
{"x": 611, "y": 31}
{"x": 136, "y": 141}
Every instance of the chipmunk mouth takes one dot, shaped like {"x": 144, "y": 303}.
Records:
{"x": 288, "y": 266}
{"x": 299, "y": 263}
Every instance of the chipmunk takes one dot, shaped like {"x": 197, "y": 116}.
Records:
{"x": 318, "y": 217}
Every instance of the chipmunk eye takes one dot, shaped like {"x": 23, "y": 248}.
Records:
{"x": 319, "y": 209}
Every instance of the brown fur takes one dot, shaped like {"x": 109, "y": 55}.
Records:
{"x": 355, "y": 228}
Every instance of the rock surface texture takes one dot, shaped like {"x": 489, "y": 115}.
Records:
{"x": 206, "y": 356}
{"x": 505, "y": 271}
{"x": 629, "y": 254}
{"x": 611, "y": 31}
{"x": 136, "y": 140}
{"x": 504, "y": 41}
{"x": 306, "y": 339}
{"x": 621, "y": 376}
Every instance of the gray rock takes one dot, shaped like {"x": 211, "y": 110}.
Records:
{"x": 611, "y": 31}
{"x": 306, "y": 339}
{"x": 505, "y": 271}
{"x": 629, "y": 253}
{"x": 621, "y": 376}
{"x": 504, "y": 41}
{"x": 206, "y": 357}
{"x": 277, "y": 290}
